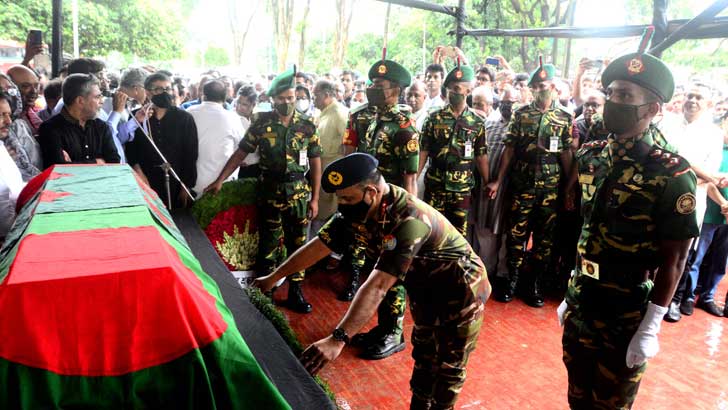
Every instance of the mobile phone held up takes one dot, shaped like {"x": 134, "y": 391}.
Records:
{"x": 35, "y": 37}
{"x": 596, "y": 64}
{"x": 492, "y": 61}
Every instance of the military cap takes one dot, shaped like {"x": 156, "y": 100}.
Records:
{"x": 460, "y": 73}
{"x": 392, "y": 71}
{"x": 544, "y": 72}
{"x": 642, "y": 69}
{"x": 347, "y": 171}
{"x": 284, "y": 81}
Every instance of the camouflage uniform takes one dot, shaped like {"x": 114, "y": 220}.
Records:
{"x": 445, "y": 280}
{"x": 356, "y": 127}
{"x": 634, "y": 194}
{"x": 538, "y": 139}
{"x": 284, "y": 192}
{"x": 452, "y": 144}
{"x": 391, "y": 138}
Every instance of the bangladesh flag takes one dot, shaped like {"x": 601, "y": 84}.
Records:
{"x": 104, "y": 306}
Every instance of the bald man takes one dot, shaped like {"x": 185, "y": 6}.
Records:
{"x": 27, "y": 82}
{"x": 416, "y": 94}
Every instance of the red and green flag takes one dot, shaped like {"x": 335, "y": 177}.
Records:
{"x": 103, "y": 305}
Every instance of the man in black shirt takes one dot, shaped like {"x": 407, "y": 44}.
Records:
{"x": 75, "y": 135}
{"x": 174, "y": 133}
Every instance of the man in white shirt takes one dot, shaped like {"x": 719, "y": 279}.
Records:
{"x": 219, "y": 132}
{"x": 434, "y": 76}
{"x": 245, "y": 102}
{"x": 11, "y": 183}
{"x": 415, "y": 96}
{"x": 699, "y": 141}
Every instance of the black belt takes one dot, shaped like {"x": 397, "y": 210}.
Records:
{"x": 289, "y": 177}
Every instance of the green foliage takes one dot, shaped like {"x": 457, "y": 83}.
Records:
{"x": 216, "y": 57}
{"x": 132, "y": 27}
{"x": 236, "y": 192}
{"x": 266, "y": 307}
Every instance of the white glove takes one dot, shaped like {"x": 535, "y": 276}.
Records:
{"x": 644, "y": 344}
{"x": 560, "y": 312}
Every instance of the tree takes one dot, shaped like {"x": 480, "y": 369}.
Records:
{"x": 216, "y": 57}
{"x": 302, "y": 43}
{"x": 344, "y": 12}
{"x": 239, "y": 34}
{"x": 132, "y": 27}
{"x": 282, "y": 11}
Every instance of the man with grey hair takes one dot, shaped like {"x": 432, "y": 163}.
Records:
{"x": 488, "y": 213}
{"x": 131, "y": 83}
{"x": 483, "y": 101}
{"x": 76, "y": 135}
{"x": 331, "y": 128}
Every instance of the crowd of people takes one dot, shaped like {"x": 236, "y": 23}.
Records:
{"x": 510, "y": 159}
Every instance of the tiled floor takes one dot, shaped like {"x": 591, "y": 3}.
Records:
{"x": 517, "y": 363}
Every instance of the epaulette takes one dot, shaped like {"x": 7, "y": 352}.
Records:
{"x": 522, "y": 108}
{"x": 673, "y": 162}
{"x": 358, "y": 109}
{"x": 260, "y": 116}
{"x": 404, "y": 108}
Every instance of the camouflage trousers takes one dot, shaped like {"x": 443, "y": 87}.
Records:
{"x": 594, "y": 355}
{"x": 453, "y": 205}
{"x": 390, "y": 313}
{"x": 533, "y": 211}
{"x": 283, "y": 228}
{"x": 441, "y": 354}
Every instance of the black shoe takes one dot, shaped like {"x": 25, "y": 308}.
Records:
{"x": 296, "y": 302}
{"x": 348, "y": 294}
{"x": 673, "y": 313}
{"x": 710, "y": 307}
{"x": 503, "y": 295}
{"x": 386, "y": 346}
{"x": 534, "y": 297}
{"x": 687, "y": 307}
{"x": 506, "y": 288}
{"x": 363, "y": 340}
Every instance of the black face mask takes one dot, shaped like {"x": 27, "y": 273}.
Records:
{"x": 162, "y": 100}
{"x": 620, "y": 118}
{"x": 285, "y": 109}
{"x": 375, "y": 96}
{"x": 355, "y": 212}
{"x": 506, "y": 110}
{"x": 455, "y": 99}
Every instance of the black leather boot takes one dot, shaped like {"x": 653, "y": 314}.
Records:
{"x": 385, "y": 346}
{"x": 296, "y": 301}
{"x": 533, "y": 296}
{"x": 507, "y": 287}
{"x": 348, "y": 294}
{"x": 364, "y": 339}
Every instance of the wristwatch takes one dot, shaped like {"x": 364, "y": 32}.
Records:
{"x": 340, "y": 335}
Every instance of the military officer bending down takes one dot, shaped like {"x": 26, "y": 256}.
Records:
{"x": 412, "y": 244}
{"x": 638, "y": 203}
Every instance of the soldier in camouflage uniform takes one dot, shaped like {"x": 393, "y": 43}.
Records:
{"x": 392, "y": 138}
{"x": 638, "y": 203}
{"x": 288, "y": 143}
{"x": 415, "y": 245}
{"x": 539, "y": 142}
{"x": 452, "y": 137}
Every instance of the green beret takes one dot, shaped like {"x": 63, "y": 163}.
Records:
{"x": 389, "y": 70}
{"x": 545, "y": 72}
{"x": 347, "y": 171}
{"x": 645, "y": 70}
{"x": 457, "y": 74}
{"x": 284, "y": 81}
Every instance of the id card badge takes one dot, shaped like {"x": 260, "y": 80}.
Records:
{"x": 468, "y": 149}
{"x": 302, "y": 157}
{"x": 554, "y": 144}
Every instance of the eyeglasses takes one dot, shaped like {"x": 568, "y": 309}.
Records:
{"x": 159, "y": 90}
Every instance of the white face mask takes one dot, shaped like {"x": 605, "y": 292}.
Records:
{"x": 302, "y": 105}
